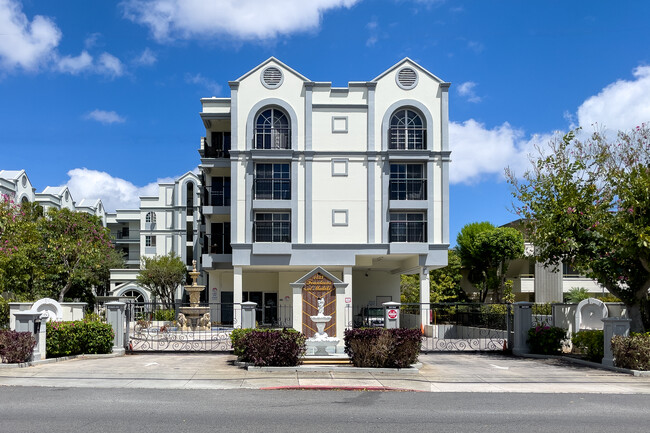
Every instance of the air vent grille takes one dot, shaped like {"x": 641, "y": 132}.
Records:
{"x": 272, "y": 77}
{"x": 407, "y": 78}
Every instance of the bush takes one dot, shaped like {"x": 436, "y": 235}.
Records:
{"x": 164, "y": 315}
{"x": 387, "y": 348}
{"x": 590, "y": 343}
{"x": 575, "y": 295}
{"x": 78, "y": 337}
{"x": 277, "y": 348}
{"x": 4, "y": 313}
{"x": 16, "y": 346}
{"x": 546, "y": 340}
{"x": 237, "y": 342}
{"x": 632, "y": 352}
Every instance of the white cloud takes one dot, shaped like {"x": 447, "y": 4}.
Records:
{"x": 25, "y": 44}
{"x": 75, "y": 65}
{"x": 108, "y": 64}
{"x": 621, "y": 105}
{"x": 114, "y": 192}
{"x": 92, "y": 40}
{"x": 105, "y": 117}
{"x": 147, "y": 58}
{"x": 466, "y": 90}
{"x": 241, "y": 19}
{"x": 373, "y": 29}
{"x": 199, "y": 79}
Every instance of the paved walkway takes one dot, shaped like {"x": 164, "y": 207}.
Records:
{"x": 441, "y": 372}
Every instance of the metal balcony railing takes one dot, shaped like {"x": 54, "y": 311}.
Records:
{"x": 407, "y": 138}
{"x": 217, "y": 244}
{"x": 277, "y": 138}
{"x": 216, "y": 196}
{"x": 407, "y": 231}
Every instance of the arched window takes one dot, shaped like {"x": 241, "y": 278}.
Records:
{"x": 407, "y": 131}
{"x": 150, "y": 217}
{"x": 189, "y": 198}
{"x": 272, "y": 130}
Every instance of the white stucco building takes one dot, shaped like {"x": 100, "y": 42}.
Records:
{"x": 347, "y": 185}
{"x": 165, "y": 223}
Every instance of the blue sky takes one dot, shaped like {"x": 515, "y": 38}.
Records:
{"x": 104, "y": 96}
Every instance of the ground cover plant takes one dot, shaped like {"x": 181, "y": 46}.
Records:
{"x": 16, "y": 346}
{"x": 383, "y": 348}
{"x": 546, "y": 340}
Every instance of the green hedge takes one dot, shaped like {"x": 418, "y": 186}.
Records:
{"x": 378, "y": 347}
{"x": 78, "y": 337}
{"x": 590, "y": 343}
{"x": 269, "y": 347}
{"x": 632, "y": 352}
{"x": 16, "y": 346}
{"x": 546, "y": 340}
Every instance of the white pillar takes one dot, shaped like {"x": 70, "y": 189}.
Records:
{"x": 523, "y": 322}
{"x": 237, "y": 297}
{"x": 425, "y": 297}
{"x": 297, "y": 306}
{"x": 115, "y": 315}
{"x": 344, "y": 308}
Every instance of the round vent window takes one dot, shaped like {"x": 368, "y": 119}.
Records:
{"x": 407, "y": 78}
{"x": 272, "y": 77}
{"x": 24, "y": 180}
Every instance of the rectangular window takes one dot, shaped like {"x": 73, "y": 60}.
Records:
{"x": 272, "y": 181}
{"x": 218, "y": 194}
{"x": 272, "y": 227}
{"x": 150, "y": 241}
{"x": 218, "y": 241}
{"x": 408, "y": 182}
{"x": 407, "y": 227}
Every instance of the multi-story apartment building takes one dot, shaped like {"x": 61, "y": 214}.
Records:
{"x": 318, "y": 191}
{"x": 166, "y": 223}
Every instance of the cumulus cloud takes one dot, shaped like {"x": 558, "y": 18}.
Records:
{"x": 110, "y": 65}
{"x": 202, "y": 81}
{"x": 466, "y": 90}
{"x": 75, "y": 65}
{"x": 25, "y": 44}
{"x": 115, "y": 193}
{"x": 621, "y": 105}
{"x": 105, "y": 117}
{"x": 240, "y": 19}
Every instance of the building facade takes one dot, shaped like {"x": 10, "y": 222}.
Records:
{"x": 314, "y": 191}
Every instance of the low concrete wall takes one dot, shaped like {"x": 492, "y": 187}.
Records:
{"x": 71, "y": 311}
{"x": 564, "y": 315}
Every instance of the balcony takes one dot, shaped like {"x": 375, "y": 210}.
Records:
{"x": 125, "y": 238}
{"x": 216, "y": 250}
{"x": 216, "y": 196}
{"x": 277, "y": 138}
{"x": 407, "y": 138}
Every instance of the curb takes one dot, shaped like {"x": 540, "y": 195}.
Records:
{"x": 62, "y": 358}
{"x": 338, "y": 388}
{"x": 413, "y": 369}
{"x": 636, "y": 373}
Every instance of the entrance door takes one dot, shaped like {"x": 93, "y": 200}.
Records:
{"x": 270, "y": 308}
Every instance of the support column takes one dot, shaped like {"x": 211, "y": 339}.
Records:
{"x": 344, "y": 304}
{"x": 425, "y": 298}
{"x": 115, "y": 316}
{"x": 523, "y": 322}
{"x": 237, "y": 285}
{"x": 248, "y": 315}
{"x": 613, "y": 326}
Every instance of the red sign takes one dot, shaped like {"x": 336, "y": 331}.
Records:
{"x": 392, "y": 314}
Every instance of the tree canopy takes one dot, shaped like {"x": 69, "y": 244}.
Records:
{"x": 444, "y": 283}
{"x": 587, "y": 202}
{"x": 485, "y": 252}
{"x": 161, "y": 275}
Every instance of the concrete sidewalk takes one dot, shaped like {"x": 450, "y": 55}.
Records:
{"x": 440, "y": 372}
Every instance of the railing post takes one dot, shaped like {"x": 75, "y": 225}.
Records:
{"x": 115, "y": 317}
{"x": 391, "y": 315}
{"x": 523, "y": 321}
{"x": 613, "y": 326}
{"x": 248, "y": 315}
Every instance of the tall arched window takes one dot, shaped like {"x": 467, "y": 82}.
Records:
{"x": 272, "y": 130}
{"x": 150, "y": 217}
{"x": 189, "y": 198}
{"x": 407, "y": 131}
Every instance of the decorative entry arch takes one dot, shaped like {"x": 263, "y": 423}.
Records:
{"x": 314, "y": 285}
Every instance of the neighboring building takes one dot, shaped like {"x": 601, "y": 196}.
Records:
{"x": 17, "y": 185}
{"x": 318, "y": 191}
{"x": 166, "y": 223}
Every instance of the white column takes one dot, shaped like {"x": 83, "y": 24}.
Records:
{"x": 344, "y": 308}
{"x": 297, "y": 307}
{"x": 425, "y": 297}
{"x": 237, "y": 285}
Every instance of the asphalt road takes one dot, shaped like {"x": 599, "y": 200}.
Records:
{"x": 87, "y": 410}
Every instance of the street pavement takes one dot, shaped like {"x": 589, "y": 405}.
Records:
{"x": 440, "y": 372}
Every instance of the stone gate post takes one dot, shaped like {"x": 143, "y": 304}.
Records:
{"x": 115, "y": 316}
{"x": 30, "y": 321}
{"x": 391, "y": 315}
{"x": 248, "y": 314}
{"x": 613, "y": 326}
{"x": 523, "y": 322}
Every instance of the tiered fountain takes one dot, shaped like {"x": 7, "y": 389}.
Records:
{"x": 320, "y": 341}
{"x": 194, "y": 317}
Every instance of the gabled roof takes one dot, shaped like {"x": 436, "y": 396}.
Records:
{"x": 412, "y": 63}
{"x": 11, "y": 174}
{"x": 274, "y": 60}
{"x": 318, "y": 270}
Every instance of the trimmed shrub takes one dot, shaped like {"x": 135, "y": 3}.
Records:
{"x": 78, "y": 337}
{"x": 236, "y": 340}
{"x": 16, "y": 346}
{"x": 164, "y": 315}
{"x": 546, "y": 340}
{"x": 632, "y": 352}
{"x": 277, "y": 348}
{"x": 383, "y": 348}
{"x": 590, "y": 343}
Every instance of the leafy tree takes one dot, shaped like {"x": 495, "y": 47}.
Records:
{"x": 587, "y": 202}
{"x": 485, "y": 251}
{"x": 444, "y": 283}
{"x": 161, "y": 275}
{"x": 76, "y": 250}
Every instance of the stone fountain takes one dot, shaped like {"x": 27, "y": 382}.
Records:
{"x": 194, "y": 317}
{"x": 320, "y": 342}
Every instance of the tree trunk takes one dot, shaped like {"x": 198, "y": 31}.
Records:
{"x": 635, "y": 314}
{"x": 64, "y": 290}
